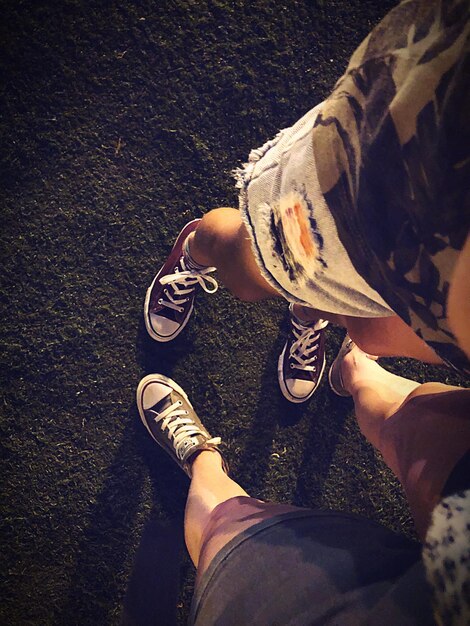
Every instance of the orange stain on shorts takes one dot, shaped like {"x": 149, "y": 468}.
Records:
{"x": 305, "y": 234}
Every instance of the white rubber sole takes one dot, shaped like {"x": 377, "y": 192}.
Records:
{"x": 285, "y": 392}
{"x": 339, "y": 357}
{"x": 333, "y": 388}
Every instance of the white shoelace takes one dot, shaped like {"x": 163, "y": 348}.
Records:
{"x": 303, "y": 348}
{"x": 179, "y": 427}
{"x": 183, "y": 284}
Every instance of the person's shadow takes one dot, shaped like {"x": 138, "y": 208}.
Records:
{"x": 158, "y": 568}
{"x": 152, "y": 588}
{"x": 273, "y": 411}
{"x": 95, "y": 582}
{"x": 157, "y": 572}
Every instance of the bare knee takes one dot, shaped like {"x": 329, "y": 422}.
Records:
{"x": 431, "y": 388}
{"x": 222, "y": 240}
{"x": 217, "y": 230}
{"x": 220, "y": 219}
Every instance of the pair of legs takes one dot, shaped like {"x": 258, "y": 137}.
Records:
{"x": 221, "y": 240}
{"x": 379, "y": 397}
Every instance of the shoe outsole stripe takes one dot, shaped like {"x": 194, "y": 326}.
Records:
{"x": 342, "y": 393}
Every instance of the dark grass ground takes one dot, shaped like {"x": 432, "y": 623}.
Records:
{"x": 120, "y": 122}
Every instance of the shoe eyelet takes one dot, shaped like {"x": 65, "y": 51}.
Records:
{"x": 292, "y": 366}
{"x": 160, "y": 300}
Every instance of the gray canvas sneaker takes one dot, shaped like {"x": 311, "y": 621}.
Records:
{"x": 172, "y": 422}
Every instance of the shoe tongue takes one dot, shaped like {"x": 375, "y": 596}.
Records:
{"x": 157, "y": 394}
{"x": 316, "y": 325}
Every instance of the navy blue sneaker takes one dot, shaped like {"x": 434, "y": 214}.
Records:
{"x": 302, "y": 360}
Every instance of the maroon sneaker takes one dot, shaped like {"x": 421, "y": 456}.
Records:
{"x": 302, "y": 361}
{"x": 170, "y": 298}
{"x": 172, "y": 422}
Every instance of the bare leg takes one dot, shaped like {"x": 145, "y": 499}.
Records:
{"x": 389, "y": 336}
{"x": 210, "y": 486}
{"x": 377, "y": 393}
{"x": 458, "y": 303}
{"x": 383, "y": 336}
{"x": 308, "y": 314}
{"x": 222, "y": 240}
{"x": 425, "y": 439}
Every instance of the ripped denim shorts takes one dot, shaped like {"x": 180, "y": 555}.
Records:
{"x": 293, "y": 234}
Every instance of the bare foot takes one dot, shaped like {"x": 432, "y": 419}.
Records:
{"x": 359, "y": 370}
{"x": 358, "y": 366}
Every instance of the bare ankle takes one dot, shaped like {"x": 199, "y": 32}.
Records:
{"x": 197, "y": 246}
{"x": 206, "y": 460}
{"x": 354, "y": 367}
{"x": 192, "y": 262}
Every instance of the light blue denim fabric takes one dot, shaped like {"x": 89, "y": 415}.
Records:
{"x": 293, "y": 233}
